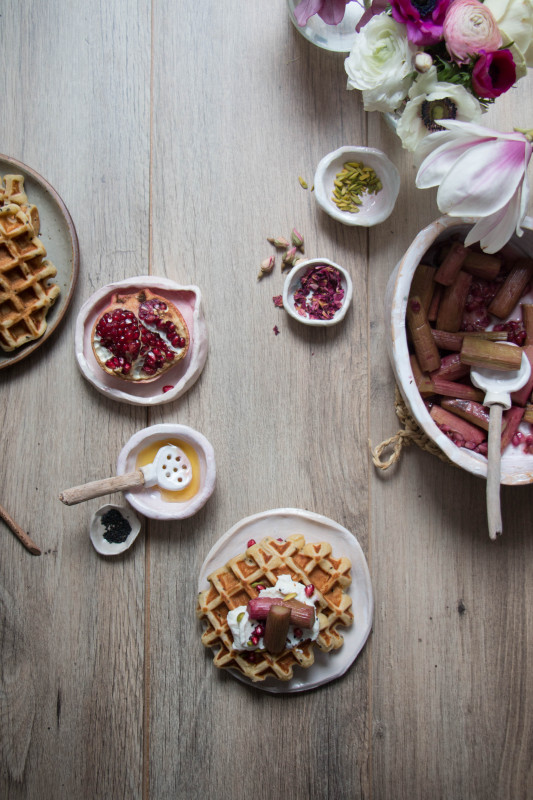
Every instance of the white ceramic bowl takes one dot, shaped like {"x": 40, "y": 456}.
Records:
{"x": 149, "y": 501}
{"x": 292, "y": 282}
{"x": 516, "y": 466}
{"x": 375, "y": 208}
{"x": 180, "y": 378}
{"x": 97, "y": 530}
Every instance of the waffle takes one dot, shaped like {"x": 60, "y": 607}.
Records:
{"x": 26, "y": 292}
{"x": 233, "y": 585}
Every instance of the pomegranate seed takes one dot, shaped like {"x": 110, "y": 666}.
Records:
{"x": 251, "y": 543}
{"x": 254, "y": 640}
{"x": 260, "y": 587}
{"x": 259, "y": 630}
{"x": 309, "y": 590}
{"x": 167, "y": 388}
{"x": 298, "y": 632}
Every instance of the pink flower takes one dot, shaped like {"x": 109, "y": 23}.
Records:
{"x": 480, "y": 173}
{"x": 331, "y": 11}
{"x": 423, "y": 18}
{"x": 493, "y": 73}
{"x": 469, "y": 27}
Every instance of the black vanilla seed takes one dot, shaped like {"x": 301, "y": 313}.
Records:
{"x": 117, "y": 529}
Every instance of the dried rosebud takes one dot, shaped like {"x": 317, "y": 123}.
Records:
{"x": 297, "y": 240}
{"x": 279, "y": 241}
{"x": 288, "y": 258}
{"x": 266, "y": 267}
{"x": 422, "y": 61}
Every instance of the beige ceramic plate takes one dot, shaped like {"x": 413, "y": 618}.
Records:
{"x": 58, "y": 235}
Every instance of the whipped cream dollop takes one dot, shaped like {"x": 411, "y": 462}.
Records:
{"x": 242, "y": 627}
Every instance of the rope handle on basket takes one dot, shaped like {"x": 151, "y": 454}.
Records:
{"x": 411, "y": 432}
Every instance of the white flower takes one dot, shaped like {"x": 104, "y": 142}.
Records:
{"x": 515, "y": 21}
{"x": 380, "y": 63}
{"x": 430, "y": 102}
{"x": 480, "y": 173}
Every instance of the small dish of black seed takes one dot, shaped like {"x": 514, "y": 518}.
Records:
{"x": 114, "y": 529}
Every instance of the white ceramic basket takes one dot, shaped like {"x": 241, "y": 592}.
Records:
{"x": 516, "y": 466}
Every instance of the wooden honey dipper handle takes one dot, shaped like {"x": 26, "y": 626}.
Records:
{"x": 88, "y": 491}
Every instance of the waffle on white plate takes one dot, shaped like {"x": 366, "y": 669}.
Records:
{"x": 26, "y": 288}
{"x": 234, "y": 584}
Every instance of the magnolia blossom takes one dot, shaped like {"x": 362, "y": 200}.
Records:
{"x": 430, "y": 102}
{"x": 422, "y": 18}
{"x": 468, "y": 28}
{"x": 515, "y": 21}
{"x": 331, "y": 11}
{"x": 482, "y": 174}
{"x": 380, "y": 64}
{"x": 493, "y": 73}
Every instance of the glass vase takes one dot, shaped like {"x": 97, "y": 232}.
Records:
{"x": 338, "y": 38}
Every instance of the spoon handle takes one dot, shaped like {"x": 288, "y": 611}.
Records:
{"x": 494, "y": 514}
{"x": 87, "y": 491}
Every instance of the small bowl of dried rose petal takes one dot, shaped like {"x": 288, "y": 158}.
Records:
{"x": 317, "y": 292}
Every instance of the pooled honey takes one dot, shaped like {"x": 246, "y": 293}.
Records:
{"x": 148, "y": 455}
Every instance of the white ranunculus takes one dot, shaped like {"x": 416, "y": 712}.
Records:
{"x": 380, "y": 64}
{"x": 515, "y": 21}
{"x": 482, "y": 174}
{"x": 427, "y": 103}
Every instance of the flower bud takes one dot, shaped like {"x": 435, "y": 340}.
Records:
{"x": 422, "y": 61}
{"x": 278, "y": 241}
{"x": 297, "y": 239}
{"x": 266, "y": 267}
{"x": 288, "y": 259}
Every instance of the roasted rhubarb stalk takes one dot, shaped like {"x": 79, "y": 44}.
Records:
{"x": 482, "y": 265}
{"x": 451, "y": 368}
{"x": 425, "y": 348}
{"x": 461, "y": 429}
{"x": 510, "y": 422}
{"x": 451, "y": 264}
{"x": 453, "y": 302}
{"x": 463, "y": 391}
{"x": 512, "y": 288}
{"x": 276, "y": 629}
{"x": 301, "y": 615}
{"x": 495, "y": 355}
{"x": 433, "y": 310}
{"x": 527, "y": 319}
{"x": 446, "y": 340}
{"x": 523, "y": 395}
{"x": 423, "y": 285}
{"x": 472, "y": 412}
{"x": 422, "y": 379}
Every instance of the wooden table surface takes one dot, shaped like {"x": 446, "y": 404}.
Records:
{"x": 176, "y": 132}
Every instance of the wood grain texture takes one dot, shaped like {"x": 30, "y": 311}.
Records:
{"x": 176, "y": 134}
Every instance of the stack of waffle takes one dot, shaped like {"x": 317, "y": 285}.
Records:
{"x": 234, "y": 584}
{"x": 26, "y": 290}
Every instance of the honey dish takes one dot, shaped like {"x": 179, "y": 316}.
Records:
{"x": 317, "y": 292}
{"x": 450, "y": 310}
{"x": 357, "y": 185}
{"x": 160, "y": 503}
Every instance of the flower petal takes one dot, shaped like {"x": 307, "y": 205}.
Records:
{"x": 482, "y": 180}
{"x": 495, "y": 230}
{"x": 306, "y": 9}
{"x": 440, "y": 161}
{"x": 332, "y": 11}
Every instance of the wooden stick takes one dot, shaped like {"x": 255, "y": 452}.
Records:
{"x": 28, "y": 543}
{"x": 88, "y": 491}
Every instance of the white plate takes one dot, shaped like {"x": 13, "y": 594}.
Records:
{"x": 181, "y": 377}
{"x": 283, "y": 522}
{"x": 58, "y": 235}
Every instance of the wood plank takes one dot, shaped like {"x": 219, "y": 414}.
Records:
{"x": 72, "y": 622}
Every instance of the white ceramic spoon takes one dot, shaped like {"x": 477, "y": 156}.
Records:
{"x": 171, "y": 469}
{"x": 497, "y": 386}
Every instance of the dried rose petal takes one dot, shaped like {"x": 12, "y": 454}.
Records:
{"x": 275, "y": 329}
{"x": 320, "y": 293}
{"x": 278, "y": 301}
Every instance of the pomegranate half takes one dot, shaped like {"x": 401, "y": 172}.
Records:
{"x": 139, "y": 336}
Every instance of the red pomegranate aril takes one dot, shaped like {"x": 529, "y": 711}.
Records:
{"x": 250, "y": 543}
{"x": 298, "y": 632}
{"x": 126, "y": 368}
{"x": 260, "y": 587}
{"x": 309, "y": 590}
{"x": 167, "y": 388}
{"x": 254, "y": 640}
{"x": 259, "y": 630}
